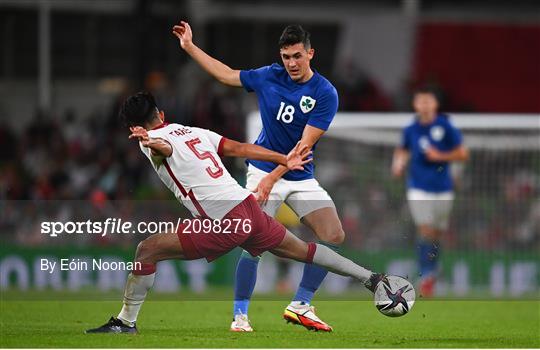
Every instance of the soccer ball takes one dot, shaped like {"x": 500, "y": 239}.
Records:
{"x": 394, "y": 296}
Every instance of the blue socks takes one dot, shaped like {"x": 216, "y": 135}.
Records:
{"x": 246, "y": 276}
{"x": 312, "y": 279}
{"x": 428, "y": 257}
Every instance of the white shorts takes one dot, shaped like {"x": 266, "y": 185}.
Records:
{"x": 431, "y": 209}
{"x": 303, "y": 196}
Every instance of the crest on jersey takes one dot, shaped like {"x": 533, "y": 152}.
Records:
{"x": 437, "y": 133}
{"x": 307, "y": 103}
{"x": 423, "y": 142}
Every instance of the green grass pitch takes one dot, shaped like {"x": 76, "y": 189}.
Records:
{"x": 195, "y": 324}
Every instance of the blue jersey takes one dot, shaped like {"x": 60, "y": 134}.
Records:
{"x": 441, "y": 135}
{"x": 286, "y": 108}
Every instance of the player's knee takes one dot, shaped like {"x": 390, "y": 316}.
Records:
{"x": 144, "y": 251}
{"x": 337, "y": 237}
{"x": 334, "y": 236}
{"x": 428, "y": 233}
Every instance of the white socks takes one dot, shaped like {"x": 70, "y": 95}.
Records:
{"x": 134, "y": 294}
{"x": 296, "y": 303}
{"x": 336, "y": 263}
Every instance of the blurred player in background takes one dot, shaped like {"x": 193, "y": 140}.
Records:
{"x": 187, "y": 160}
{"x": 296, "y": 104}
{"x": 429, "y": 144}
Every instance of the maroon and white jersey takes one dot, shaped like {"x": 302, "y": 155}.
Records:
{"x": 194, "y": 171}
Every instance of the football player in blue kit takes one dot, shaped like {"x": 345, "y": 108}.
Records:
{"x": 296, "y": 104}
{"x": 429, "y": 144}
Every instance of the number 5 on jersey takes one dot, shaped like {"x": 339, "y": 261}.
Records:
{"x": 205, "y": 155}
{"x": 285, "y": 113}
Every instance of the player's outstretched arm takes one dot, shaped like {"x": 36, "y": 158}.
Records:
{"x": 458, "y": 154}
{"x": 215, "y": 68}
{"x": 399, "y": 161}
{"x": 293, "y": 161}
{"x": 158, "y": 146}
{"x": 310, "y": 136}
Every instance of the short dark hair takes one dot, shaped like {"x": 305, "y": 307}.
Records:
{"x": 138, "y": 109}
{"x": 426, "y": 90}
{"x": 294, "y": 34}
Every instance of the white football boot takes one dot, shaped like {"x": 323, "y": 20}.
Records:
{"x": 241, "y": 323}
{"x": 304, "y": 315}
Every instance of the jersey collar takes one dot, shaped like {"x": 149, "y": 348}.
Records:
{"x": 315, "y": 74}
{"x": 162, "y": 125}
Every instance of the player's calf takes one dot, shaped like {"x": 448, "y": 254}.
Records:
{"x": 153, "y": 249}
{"x": 293, "y": 248}
{"x": 428, "y": 252}
{"x": 321, "y": 255}
{"x": 326, "y": 225}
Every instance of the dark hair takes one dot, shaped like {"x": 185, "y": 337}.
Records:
{"x": 426, "y": 90}
{"x": 138, "y": 109}
{"x": 294, "y": 34}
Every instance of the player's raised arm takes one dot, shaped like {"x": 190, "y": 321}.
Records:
{"x": 215, "y": 68}
{"x": 293, "y": 161}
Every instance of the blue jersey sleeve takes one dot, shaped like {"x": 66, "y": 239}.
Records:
{"x": 405, "y": 139}
{"x": 325, "y": 110}
{"x": 253, "y": 79}
{"x": 454, "y": 138}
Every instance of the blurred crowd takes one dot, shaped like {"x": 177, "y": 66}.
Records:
{"x": 70, "y": 156}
